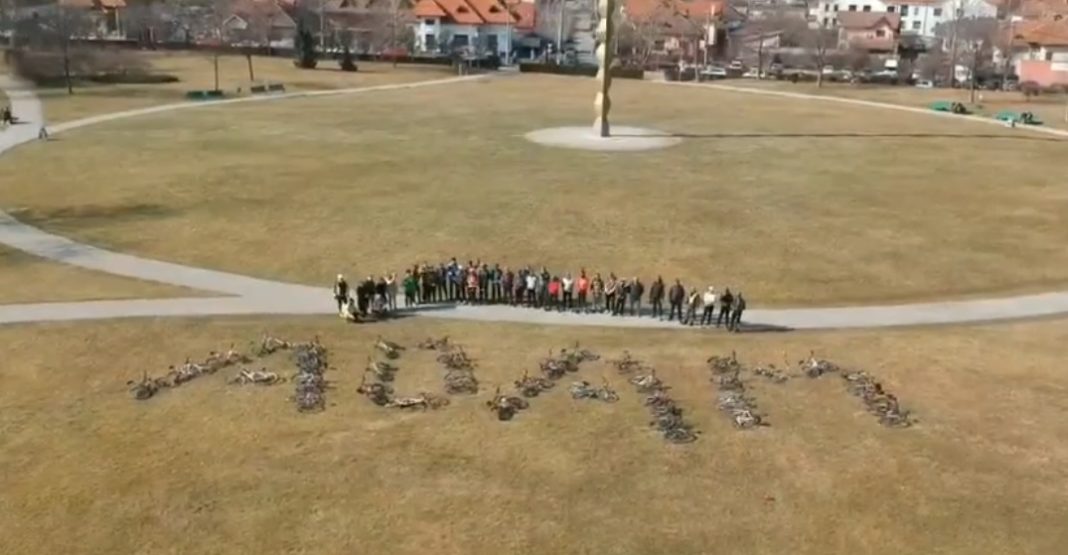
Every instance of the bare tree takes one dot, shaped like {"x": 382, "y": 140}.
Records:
{"x": 53, "y": 32}
{"x": 932, "y": 63}
{"x": 857, "y": 58}
{"x": 555, "y": 22}
{"x": 818, "y": 41}
{"x": 777, "y": 21}
{"x": 974, "y": 38}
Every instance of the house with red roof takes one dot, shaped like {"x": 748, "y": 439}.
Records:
{"x": 678, "y": 28}
{"x": 1045, "y": 60}
{"x": 870, "y": 31}
{"x": 472, "y": 26}
{"x": 105, "y": 16}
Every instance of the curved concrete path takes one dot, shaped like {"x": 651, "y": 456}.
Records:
{"x": 248, "y": 295}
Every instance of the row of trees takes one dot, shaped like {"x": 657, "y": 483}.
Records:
{"x": 969, "y": 41}
{"x": 47, "y": 42}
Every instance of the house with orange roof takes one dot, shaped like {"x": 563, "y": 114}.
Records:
{"x": 678, "y": 28}
{"x": 918, "y": 17}
{"x": 479, "y": 27}
{"x": 259, "y": 23}
{"x": 870, "y": 31}
{"x": 105, "y": 16}
{"x": 1045, "y": 56}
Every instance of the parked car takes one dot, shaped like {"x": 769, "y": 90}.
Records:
{"x": 753, "y": 73}
{"x": 736, "y": 65}
{"x": 925, "y": 84}
{"x": 714, "y": 72}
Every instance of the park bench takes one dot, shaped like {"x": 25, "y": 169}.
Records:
{"x": 1026, "y": 118}
{"x": 204, "y": 95}
{"x": 267, "y": 88}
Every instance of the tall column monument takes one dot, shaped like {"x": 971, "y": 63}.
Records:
{"x": 606, "y": 31}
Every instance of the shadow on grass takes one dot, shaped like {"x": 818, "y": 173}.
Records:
{"x": 74, "y": 216}
{"x": 841, "y": 136}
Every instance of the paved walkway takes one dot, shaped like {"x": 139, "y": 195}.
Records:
{"x": 871, "y": 104}
{"x": 249, "y": 295}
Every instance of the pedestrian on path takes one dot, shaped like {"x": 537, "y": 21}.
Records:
{"x": 411, "y": 286}
{"x": 710, "y": 306}
{"x": 622, "y": 296}
{"x": 610, "y": 287}
{"x": 692, "y": 304}
{"x": 380, "y": 301}
{"x": 496, "y": 278}
{"x": 43, "y": 133}
{"x": 636, "y": 292}
{"x": 584, "y": 286}
{"x": 391, "y": 291}
{"x": 656, "y": 297}
{"x": 483, "y": 283}
{"x": 726, "y": 303}
{"x": 736, "y": 314}
{"x": 505, "y": 285}
{"x": 676, "y": 296}
{"x": 543, "y": 286}
{"x": 341, "y": 293}
{"x": 566, "y": 285}
{"x": 532, "y": 287}
{"x": 554, "y": 293}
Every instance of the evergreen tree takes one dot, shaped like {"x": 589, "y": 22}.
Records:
{"x": 348, "y": 61}
{"x": 304, "y": 44}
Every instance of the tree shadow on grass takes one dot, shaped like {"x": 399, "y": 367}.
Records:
{"x": 75, "y": 216}
{"x": 842, "y": 136}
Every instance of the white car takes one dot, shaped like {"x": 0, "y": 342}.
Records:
{"x": 925, "y": 84}
{"x": 714, "y": 72}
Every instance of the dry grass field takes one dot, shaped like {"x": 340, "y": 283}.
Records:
{"x": 1051, "y": 109}
{"x": 25, "y": 278}
{"x": 196, "y": 72}
{"x": 797, "y": 203}
{"x": 212, "y": 468}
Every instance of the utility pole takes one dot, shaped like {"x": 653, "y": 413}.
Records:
{"x": 14, "y": 23}
{"x": 322, "y": 26}
{"x": 957, "y": 11}
{"x": 560, "y": 34}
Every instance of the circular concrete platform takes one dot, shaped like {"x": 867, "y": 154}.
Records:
{"x": 623, "y": 139}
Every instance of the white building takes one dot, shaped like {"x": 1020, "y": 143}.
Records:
{"x": 478, "y": 26}
{"x": 919, "y": 17}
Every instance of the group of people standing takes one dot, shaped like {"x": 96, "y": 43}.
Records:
{"x": 481, "y": 283}
{"x": 370, "y": 297}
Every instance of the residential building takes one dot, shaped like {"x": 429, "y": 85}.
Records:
{"x": 105, "y": 16}
{"x": 474, "y": 26}
{"x": 1044, "y": 59}
{"x": 919, "y": 17}
{"x": 259, "y": 23}
{"x": 688, "y": 30}
{"x": 366, "y": 25}
{"x": 870, "y": 31}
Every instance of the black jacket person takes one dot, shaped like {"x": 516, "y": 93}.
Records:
{"x": 736, "y": 313}
{"x": 656, "y": 297}
{"x": 676, "y": 296}
{"x": 637, "y": 289}
{"x": 726, "y": 303}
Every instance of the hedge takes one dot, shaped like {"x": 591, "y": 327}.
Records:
{"x": 581, "y": 70}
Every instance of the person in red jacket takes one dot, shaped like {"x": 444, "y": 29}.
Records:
{"x": 583, "y": 286}
{"x": 554, "y": 293}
